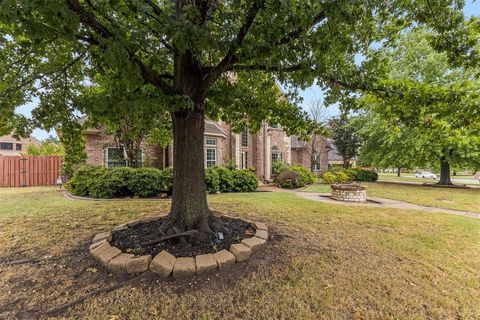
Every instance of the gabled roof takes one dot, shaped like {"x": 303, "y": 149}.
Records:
{"x": 297, "y": 143}
{"x": 211, "y": 128}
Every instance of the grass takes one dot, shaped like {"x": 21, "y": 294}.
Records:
{"x": 410, "y": 177}
{"x": 324, "y": 262}
{"x": 457, "y": 199}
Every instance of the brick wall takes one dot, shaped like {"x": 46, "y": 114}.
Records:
{"x": 98, "y": 142}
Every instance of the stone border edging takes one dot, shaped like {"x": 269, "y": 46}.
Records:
{"x": 165, "y": 264}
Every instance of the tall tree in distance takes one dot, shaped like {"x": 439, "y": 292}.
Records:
{"x": 346, "y": 138}
{"x": 180, "y": 53}
{"x": 316, "y": 132}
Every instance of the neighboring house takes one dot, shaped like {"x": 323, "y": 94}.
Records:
{"x": 246, "y": 150}
{"x": 10, "y": 146}
{"x": 335, "y": 159}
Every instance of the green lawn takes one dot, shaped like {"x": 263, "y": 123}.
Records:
{"x": 324, "y": 262}
{"x": 450, "y": 198}
{"x": 410, "y": 177}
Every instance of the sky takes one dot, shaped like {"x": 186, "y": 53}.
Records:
{"x": 472, "y": 7}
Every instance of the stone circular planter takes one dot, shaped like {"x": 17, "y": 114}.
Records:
{"x": 165, "y": 264}
{"x": 352, "y": 192}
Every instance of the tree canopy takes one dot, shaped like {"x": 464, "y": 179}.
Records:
{"x": 426, "y": 132}
{"x": 200, "y": 58}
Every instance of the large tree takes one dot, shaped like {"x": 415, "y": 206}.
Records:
{"x": 188, "y": 57}
{"x": 437, "y": 131}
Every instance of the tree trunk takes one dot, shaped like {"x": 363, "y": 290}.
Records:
{"x": 399, "y": 169}
{"x": 346, "y": 163}
{"x": 444, "y": 172}
{"x": 189, "y": 202}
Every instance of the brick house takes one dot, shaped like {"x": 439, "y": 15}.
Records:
{"x": 10, "y": 146}
{"x": 246, "y": 150}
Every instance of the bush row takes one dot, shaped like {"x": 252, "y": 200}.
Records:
{"x": 345, "y": 175}
{"x": 292, "y": 176}
{"x": 101, "y": 182}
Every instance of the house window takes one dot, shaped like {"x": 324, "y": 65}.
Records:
{"x": 276, "y": 156}
{"x": 244, "y": 160}
{"x": 211, "y": 142}
{"x": 18, "y": 147}
{"x": 317, "y": 165}
{"x": 211, "y": 157}
{"x": 6, "y": 146}
{"x": 274, "y": 126}
{"x": 245, "y": 137}
{"x": 116, "y": 157}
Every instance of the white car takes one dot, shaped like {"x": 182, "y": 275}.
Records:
{"x": 426, "y": 175}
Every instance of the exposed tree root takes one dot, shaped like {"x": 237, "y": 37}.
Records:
{"x": 189, "y": 233}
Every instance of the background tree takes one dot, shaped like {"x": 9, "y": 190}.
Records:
{"x": 346, "y": 138}
{"x": 316, "y": 132}
{"x": 179, "y": 53}
{"x": 438, "y": 131}
{"x": 50, "y": 146}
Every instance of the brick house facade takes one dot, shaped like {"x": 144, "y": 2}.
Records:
{"x": 246, "y": 150}
{"x": 10, "y": 146}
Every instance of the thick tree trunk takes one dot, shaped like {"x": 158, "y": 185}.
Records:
{"x": 444, "y": 172}
{"x": 399, "y": 169}
{"x": 189, "y": 202}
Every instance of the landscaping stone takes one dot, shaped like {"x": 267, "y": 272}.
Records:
{"x": 120, "y": 227}
{"x": 254, "y": 242}
{"x": 107, "y": 255}
{"x": 163, "y": 264}
{"x": 96, "y": 245}
{"x": 102, "y": 236}
{"x": 261, "y": 234}
{"x": 138, "y": 264}
{"x": 99, "y": 249}
{"x": 225, "y": 259}
{"x": 184, "y": 267}
{"x": 260, "y": 226}
{"x": 205, "y": 263}
{"x": 241, "y": 252}
{"x": 118, "y": 264}
{"x": 132, "y": 223}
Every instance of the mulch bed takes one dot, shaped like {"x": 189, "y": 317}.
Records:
{"x": 131, "y": 240}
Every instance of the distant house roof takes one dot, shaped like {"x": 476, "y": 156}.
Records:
{"x": 333, "y": 154}
{"x": 297, "y": 143}
{"x": 211, "y": 128}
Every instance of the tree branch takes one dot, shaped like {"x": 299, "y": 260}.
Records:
{"x": 297, "y": 33}
{"x": 154, "y": 7}
{"x": 230, "y": 57}
{"x": 89, "y": 20}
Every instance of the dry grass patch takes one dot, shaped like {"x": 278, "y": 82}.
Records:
{"x": 325, "y": 261}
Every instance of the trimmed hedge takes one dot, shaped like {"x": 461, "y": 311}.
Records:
{"x": 101, "y": 182}
{"x": 355, "y": 174}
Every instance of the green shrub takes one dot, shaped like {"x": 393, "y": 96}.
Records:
{"x": 289, "y": 179}
{"x": 84, "y": 179}
{"x": 146, "y": 182}
{"x": 212, "y": 180}
{"x": 112, "y": 183}
{"x": 306, "y": 175}
{"x": 366, "y": 175}
{"x": 244, "y": 181}
{"x": 342, "y": 177}
{"x": 167, "y": 179}
{"x": 351, "y": 173}
{"x": 226, "y": 182}
{"x": 329, "y": 177}
{"x": 280, "y": 166}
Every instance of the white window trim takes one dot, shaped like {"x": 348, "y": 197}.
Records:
{"x": 124, "y": 155}
{"x": 206, "y": 157}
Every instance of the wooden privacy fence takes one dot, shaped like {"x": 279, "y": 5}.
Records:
{"x": 27, "y": 171}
